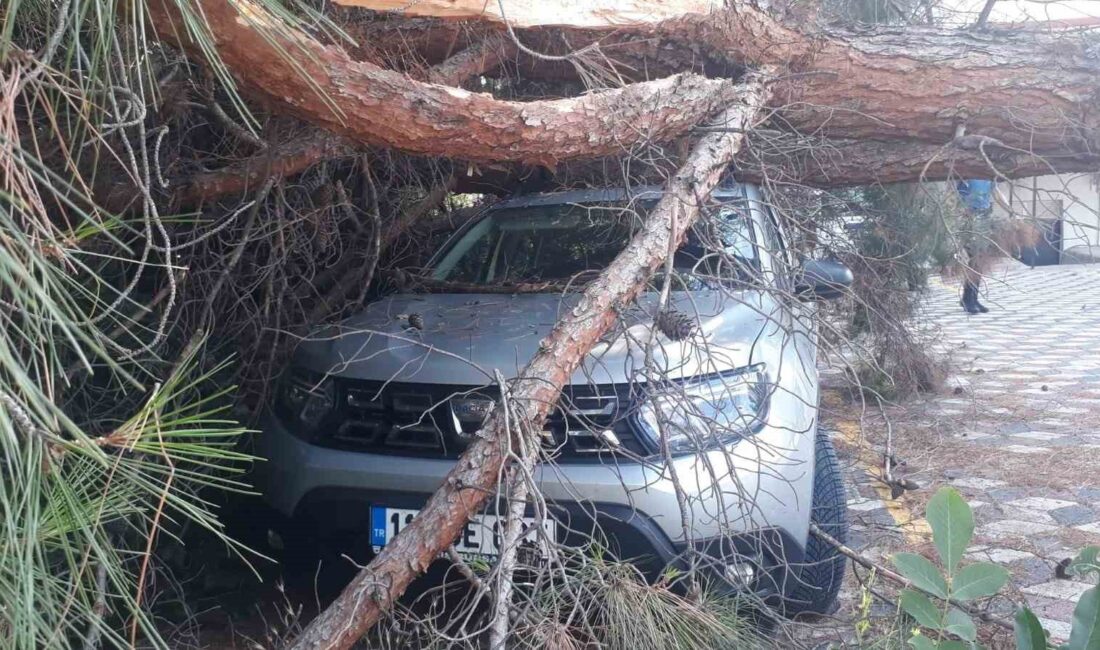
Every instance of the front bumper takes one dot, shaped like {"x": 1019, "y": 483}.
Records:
{"x": 749, "y": 502}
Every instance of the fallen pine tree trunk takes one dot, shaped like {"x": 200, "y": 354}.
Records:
{"x": 537, "y": 388}
{"x": 533, "y": 13}
{"x": 295, "y": 74}
{"x": 1033, "y": 91}
{"x": 769, "y": 155}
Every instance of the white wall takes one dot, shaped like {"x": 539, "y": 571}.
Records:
{"x": 1076, "y": 195}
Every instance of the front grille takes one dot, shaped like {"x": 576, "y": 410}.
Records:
{"x": 438, "y": 421}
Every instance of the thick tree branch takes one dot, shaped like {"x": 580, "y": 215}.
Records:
{"x": 280, "y": 161}
{"x": 788, "y": 158}
{"x": 473, "y": 61}
{"x": 535, "y": 390}
{"x": 298, "y": 154}
{"x": 298, "y": 75}
{"x": 533, "y": 13}
{"x": 1033, "y": 91}
{"x": 784, "y": 157}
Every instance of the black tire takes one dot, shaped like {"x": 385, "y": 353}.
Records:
{"x": 815, "y": 591}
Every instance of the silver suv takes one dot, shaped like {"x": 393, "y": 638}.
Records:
{"x": 689, "y": 437}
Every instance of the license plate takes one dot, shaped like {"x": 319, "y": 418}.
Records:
{"x": 480, "y": 537}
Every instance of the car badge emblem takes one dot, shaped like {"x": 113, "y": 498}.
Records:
{"x": 468, "y": 414}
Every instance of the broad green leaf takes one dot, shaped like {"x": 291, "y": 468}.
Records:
{"x": 1086, "y": 562}
{"x": 952, "y": 526}
{"x": 960, "y": 624}
{"x": 920, "y": 608}
{"x": 1085, "y": 634}
{"x": 1029, "y": 632}
{"x": 921, "y": 642}
{"x": 978, "y": 581}
{"x": 921, "y": 572}
{"x": 952, "y": 644}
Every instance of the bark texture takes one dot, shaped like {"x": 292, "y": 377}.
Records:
{"x": 473, "y": 61}
{"x": 536, "y": 389}
{"x": 280, "y": 161}
{"x": 296, "y": 74}
{"x": 1033, "y": 91}
{"x": 528, "y": 13}
{"x": 784, "y": 157}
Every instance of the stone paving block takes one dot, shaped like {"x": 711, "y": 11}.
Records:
{"x": 864, "y": 505}
{"x": 1041, "y": 503}
{"x": 1039, "y": 435}
{"x": 880, "y": 517}
{"x": 1006, "y": 494}
{"x": 1031, "y": 571}
{"x": 1006, "y": 511}
{"x": 1059, "y": 630}
{"x": 1070, "y": 410}
{"x": 1014, "y": 528}
{"x": 998, "y": 555}
{"x": 975, "y": 483}
{"x": 1058, "y": 589}
{"x": 1074, "y": 515}
{"x": 1093, "y": 528}
{"x": 1026, "y": 449}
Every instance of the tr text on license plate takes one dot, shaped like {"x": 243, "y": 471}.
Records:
{"x": 481, "y": 535}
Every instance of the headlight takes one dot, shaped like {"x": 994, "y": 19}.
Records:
{"x": 305, "y": 399}
{"x": 707, "y": 413}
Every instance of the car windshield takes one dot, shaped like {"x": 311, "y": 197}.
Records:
{"x": 570, "y": 243}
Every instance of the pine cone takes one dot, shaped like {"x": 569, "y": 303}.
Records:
{"x": 416, "y": 321}
{"x": 675, "y": 325}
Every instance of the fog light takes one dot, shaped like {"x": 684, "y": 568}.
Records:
{"x": 609, "y": 438}
{"x": 275, "y": 540}
{"x": 741, "y": 574}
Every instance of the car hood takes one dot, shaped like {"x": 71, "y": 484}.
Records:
{"x": 465, "y": 338}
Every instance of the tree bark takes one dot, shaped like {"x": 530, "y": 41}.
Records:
{"x": 536, "y": 389}
{"x": 1034, "y": 91}
{"x": 298, "y": 154}
{"x": 280, "y": 161}
{"x": 531, "y": 13}
{"x": 296, "y": 74}
{"x": 784, "y": 157}
{"x": 473, "y": 61}
{"x": 788, "y": 158}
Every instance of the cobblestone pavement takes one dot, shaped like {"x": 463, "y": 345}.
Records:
{"x": 1016, "y": 430}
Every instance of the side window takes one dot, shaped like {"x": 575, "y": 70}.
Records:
{"x": 735, "y": 231}
{"x": 725, "y": 244}
{"x": 776, "y": 246}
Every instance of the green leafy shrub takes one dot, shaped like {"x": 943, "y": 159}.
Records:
{"x": 936, "y": 594}
{"x": 947, "y": 625}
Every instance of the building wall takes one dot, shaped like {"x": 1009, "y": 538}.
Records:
{"x": 1074, "y": 197}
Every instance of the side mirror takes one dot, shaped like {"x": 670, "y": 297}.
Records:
{"x": 822, "y": 280}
